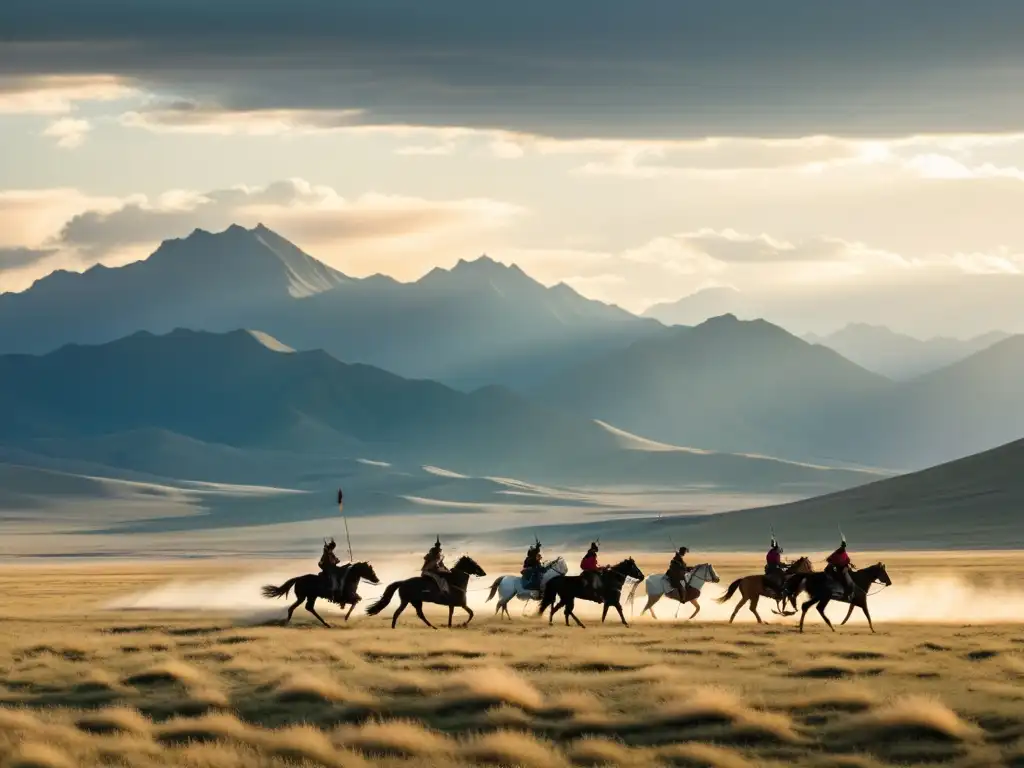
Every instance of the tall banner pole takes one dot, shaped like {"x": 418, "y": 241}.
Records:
{"x": 341, "y": 509}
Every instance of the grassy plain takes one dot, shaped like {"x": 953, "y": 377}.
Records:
{"x": 84, "y": 686}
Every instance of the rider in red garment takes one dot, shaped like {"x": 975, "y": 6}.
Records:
{"x": 773, "y": 565}
{"x": 591, "y": 570}
{"x": 840, "y": 565}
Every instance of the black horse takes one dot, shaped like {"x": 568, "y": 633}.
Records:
{"x": 316, "y": 585}
{"x": 422, "y": 589}
{"x": 569, "y": 589}
{"x": 823, "y": 588}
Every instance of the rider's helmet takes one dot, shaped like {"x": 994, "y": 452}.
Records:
{"x": 683, "y": 550}
{"x": 593, "y": 546}
{"x": 330, "y": 545}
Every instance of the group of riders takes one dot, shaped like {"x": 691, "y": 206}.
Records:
{"x": 838, "y": 568}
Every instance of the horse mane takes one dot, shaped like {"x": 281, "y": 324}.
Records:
{"x": 463, "y": 560}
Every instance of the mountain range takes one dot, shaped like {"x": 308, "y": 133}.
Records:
{"x": 898, "y": 356}
{"x": 734, "y": 385}
{"x": 877, "y": 348}
{"x": 187, "y": 403}
{"x": 135, "y": 391}
{"x": 478, "y": 323}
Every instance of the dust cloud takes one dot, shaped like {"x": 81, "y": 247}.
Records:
{"x": 916, "y": 600}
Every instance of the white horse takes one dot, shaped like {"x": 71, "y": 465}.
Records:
{"x": 658, "y": 586}
{"x": 508, "y": 587}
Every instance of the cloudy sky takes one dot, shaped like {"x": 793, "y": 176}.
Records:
{"x": 832, "y": 161}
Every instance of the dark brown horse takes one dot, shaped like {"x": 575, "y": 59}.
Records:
{"x": 316, "y": 585}
{"x": 569, "y": 589}
{"x": 423, "y": 589}
{"x": 754, "y": 587}
{"x": 822, "y": 588}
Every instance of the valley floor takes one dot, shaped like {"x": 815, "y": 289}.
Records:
{"x": 84, "y": 683}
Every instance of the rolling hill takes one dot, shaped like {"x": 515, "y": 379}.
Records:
{"x": 478, "y": 323}
{"x": 970, "y": 503}
{"x": 241, "y": 406}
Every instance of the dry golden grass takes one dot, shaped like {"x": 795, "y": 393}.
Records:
{"x": 81, "y": 686}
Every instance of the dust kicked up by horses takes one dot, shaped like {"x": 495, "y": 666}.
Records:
{"x": 550, "y": 583}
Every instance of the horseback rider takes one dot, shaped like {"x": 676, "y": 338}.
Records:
{"x": 532, "y": 567}
{"x": 773, "y": 570}
{"x": 591, "y": 570}
{"x": 677, "y": 571}
{"x": 329, "y": 563}
{"x": 839, "y": 566}
{"x": 433, "y": 566}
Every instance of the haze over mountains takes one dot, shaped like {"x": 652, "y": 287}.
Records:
{"x": 877, "y": 348}
{"x": 729, "y": 383}
{"x": 897, "y": 355}
{"x": 244, "y": 392}
{"x": 472, "y": 391}
{"x": 478, "y": 323}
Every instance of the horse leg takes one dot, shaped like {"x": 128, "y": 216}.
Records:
{"x": 604, "y": 612}
{"x": 743, "y": 601}
{"x": 753, "y": 608}
{"x": 401, "y": 607}
{"x": 622, "y": 616}
{"x": 806, "y": 608}
{"x": 821, "y": 609}
{"x": 419, "y": 612}
{"x": 291, "y": 610}
{"x": 867, "y": 614}
{"x": 350, "y": 609}
{"x": 451, "y": 612}
{"x": 849, "y": 613}
{"x": 570, "y": 604}
{"x": 696, "y": 609}
{"x": 651, "y": 600}
{"x": 309, "y": 607}
{"x": 468, "y": 610}
{"x": 554, "y": 608}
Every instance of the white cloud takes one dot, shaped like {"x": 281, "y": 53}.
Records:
{"x": 192, "y": 117}
{"x": 54, "y": 95}
{"x": 419, "y": 150}
{"x": 68, "y": 131}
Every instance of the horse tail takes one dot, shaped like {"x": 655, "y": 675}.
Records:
{"x": 382, "y": 603}
{"x": 549, "y": 595}
{"x": 270, "y": 591}
{"x": 494, "y": 588}
{"x": 731, "y": 591}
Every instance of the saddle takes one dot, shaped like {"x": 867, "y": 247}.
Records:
{"x": 532, "y": 578}
{"x": 436, "y": 578}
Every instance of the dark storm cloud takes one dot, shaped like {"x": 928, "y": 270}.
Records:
{"x": 14, "y": 258}
{"x": 650, "y": 68}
